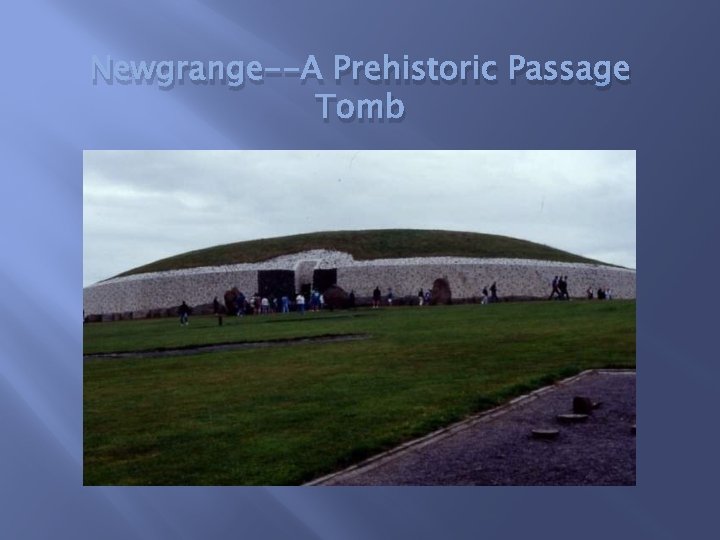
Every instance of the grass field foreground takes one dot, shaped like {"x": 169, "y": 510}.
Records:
{"x": 287, "y": 414}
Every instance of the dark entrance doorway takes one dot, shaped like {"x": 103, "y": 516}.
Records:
{"x": 324, "y": 279}
{"x": 276, "y": 283}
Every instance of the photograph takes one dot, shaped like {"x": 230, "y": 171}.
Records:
{"x": 359, "y": 318}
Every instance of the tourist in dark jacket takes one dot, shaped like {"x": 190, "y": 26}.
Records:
{"x": 377, "y": 297}
{"x": 184, "y": 312}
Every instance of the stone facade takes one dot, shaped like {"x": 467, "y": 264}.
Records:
{"x": 141, "y": 293}
{"x": 513, "y": 278}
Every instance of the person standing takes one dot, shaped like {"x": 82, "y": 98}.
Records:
{"x": 351, "y": 299}
{"x": 555, "y": 291}
{"x": 377, "y": 295}
{"x": 184, "y": 312}
{"x": 315, "y": 300}
{"x": 216, "y": 311}
{"x": 300, "y": 302}
{"x": 493, "y": 293}
{"x": 564, "y": 290}
{"x": 239, "y": 304}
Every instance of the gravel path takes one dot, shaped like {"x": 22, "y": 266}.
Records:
{"x": 496, "y": 448}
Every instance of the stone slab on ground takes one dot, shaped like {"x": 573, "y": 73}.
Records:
{"x": 497, "y": 447}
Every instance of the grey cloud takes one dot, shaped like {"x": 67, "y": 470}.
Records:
{"x": 143, "y": 205}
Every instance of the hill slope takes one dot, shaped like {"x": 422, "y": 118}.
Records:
{"x": 365, "y": 245}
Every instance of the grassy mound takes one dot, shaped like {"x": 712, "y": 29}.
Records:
{"x": 365, "y": 245}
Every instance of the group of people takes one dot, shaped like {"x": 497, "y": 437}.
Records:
{"x": 559, "y": 288}
{"x": 263, "y": 305}
{"x": 602, "y": 294}
{"x": 424, "y": 297}
{"x": 377, "y": 297}
{"x": 491, "y": 297}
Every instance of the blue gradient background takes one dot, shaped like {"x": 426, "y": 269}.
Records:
{"x": 51, "y": 112}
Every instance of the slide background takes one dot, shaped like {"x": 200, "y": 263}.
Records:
{"x": 51, "y": 112}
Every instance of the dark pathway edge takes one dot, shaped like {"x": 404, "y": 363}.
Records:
{"x": 219, "y": 347}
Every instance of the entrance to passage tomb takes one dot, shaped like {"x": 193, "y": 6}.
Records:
{"x": 304, "y": 273}
{"x": 323, "y": 279}
{"x": 276, "y": 283}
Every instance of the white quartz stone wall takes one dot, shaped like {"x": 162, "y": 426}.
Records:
{"x": 154, "y": 291}
{"x": 468, "y": 280}
{"x": 467, "y": 276}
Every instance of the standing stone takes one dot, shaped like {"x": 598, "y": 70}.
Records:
{"x": 335, "y": 297}
{"x": 440, "y": 293}
{"x": 230, "y": 297}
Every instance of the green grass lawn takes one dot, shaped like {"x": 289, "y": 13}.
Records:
{"x": 285, "y": 415}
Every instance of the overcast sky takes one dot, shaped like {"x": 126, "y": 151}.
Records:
{"x": 140, "y": 206}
